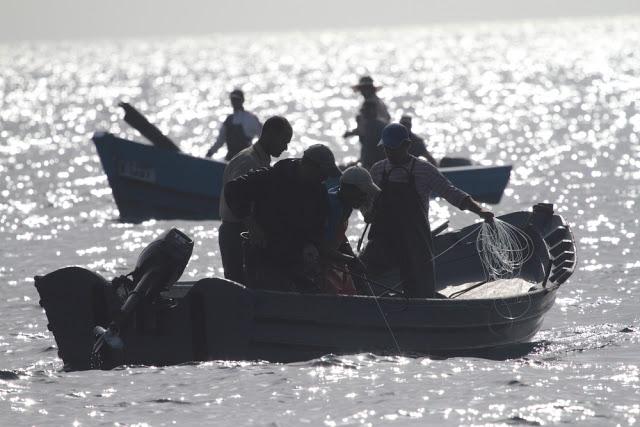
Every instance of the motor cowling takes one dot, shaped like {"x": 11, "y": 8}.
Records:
{"x": 168, "y": 255}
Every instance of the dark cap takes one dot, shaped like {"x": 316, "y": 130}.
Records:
{"x": 237, "y": 93}
{"x": 322, "y": 156}
{"x": 393, "y": 135}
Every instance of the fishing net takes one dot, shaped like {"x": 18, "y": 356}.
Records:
{"x": 503, "y": 249}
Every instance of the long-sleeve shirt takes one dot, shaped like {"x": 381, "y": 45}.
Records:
{"x": 291, "y": 213}
{"x": 427, "y": 177}
{"x": 245, "y": 161}
{"x": 251, "y": 127}
{"x": 381, "y": 109}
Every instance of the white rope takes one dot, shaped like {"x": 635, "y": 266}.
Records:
{"x": 384, "y": 317}
{"x": 503, "y": 249}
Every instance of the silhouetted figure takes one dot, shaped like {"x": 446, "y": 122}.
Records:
{"x": 369, "y": 132}
{"x": 276, "y": 135}
{"x": 356, "y": 191}
{"x": 400, "y": 235}
{"x": 285, "y": 208}
{"x": 369, "y": 92}
{"x": 239, "y": 128}
{"x": 417, "y": 148}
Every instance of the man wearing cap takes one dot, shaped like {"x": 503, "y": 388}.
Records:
{"x": 369, "y": 92}
{"x": 356, "y": 191}
{"x": 239, "y": 128}
{"x": 285, "y": 208}
{"x": 400, "y": 235}
{"x": 276, "y": 135}
{"x": 417, "y": 148}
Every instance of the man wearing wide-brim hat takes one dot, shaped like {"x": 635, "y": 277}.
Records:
{"x": 369, "y": 92}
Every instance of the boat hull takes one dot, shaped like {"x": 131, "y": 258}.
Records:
{"x": 215, "y": 318}
{"x": 150, "y": 182}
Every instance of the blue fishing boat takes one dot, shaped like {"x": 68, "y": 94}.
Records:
{"x": 148, "y": 181}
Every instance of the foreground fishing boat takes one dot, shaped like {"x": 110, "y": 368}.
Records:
{"x": 97, "y": 323}
{"x": 151, "y": 182}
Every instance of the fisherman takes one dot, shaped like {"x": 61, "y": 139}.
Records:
{"x": 285, "y": 209}
{"x": 276, "y": 135}
{"x": 369, "y": 92}
{"x": 369, "y": 132}
{"x": 417, "y": 148}
{"x": 238, "y": 129}
{"x": 356, "y": 191}
{"x": 400, "y": 236}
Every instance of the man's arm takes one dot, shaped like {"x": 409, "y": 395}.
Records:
{"x": 421, "y": 151}
{"x": 452, "y": 194}
{"x": 471, "y": 205}
{"x": 242, "y": 192}
{"x": 222, "y": 138}
{"x": 355, "y": 131}
{"x": 383, "y": 113}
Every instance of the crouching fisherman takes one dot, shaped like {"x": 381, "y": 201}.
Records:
{"x": 276, "y": 135}
{"x": 356, "y": 191}
{"x": 400, "y": 236}
{"x": 285, "y": 208}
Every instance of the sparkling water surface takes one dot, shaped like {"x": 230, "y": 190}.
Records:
{"x": 558, "y": 100}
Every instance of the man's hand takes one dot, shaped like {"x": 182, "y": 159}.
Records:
{"x": 486, "y": 214}
{"x": 349, "y": 133}
{"x": 209, "y": 154}
{"x": 311, "y": 260}
{"x": 257, "y": 235}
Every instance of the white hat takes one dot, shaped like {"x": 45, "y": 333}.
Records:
{"x": 360, "y": 178}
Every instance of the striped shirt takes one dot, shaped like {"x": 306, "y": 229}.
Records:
{"x": 428, "y": 179}
{"x": 250, "y": 158}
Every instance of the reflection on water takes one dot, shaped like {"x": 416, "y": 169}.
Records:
{"x": 559, "y": 101}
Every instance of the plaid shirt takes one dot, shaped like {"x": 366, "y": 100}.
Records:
{"x": 427, "y": 179}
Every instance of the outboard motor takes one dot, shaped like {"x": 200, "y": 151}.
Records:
{"x": 159, "y": 266}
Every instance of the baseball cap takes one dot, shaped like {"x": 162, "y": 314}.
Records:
{"x": 360, "y": 178}
{"x": 393, "y": 135}
{"x": 322, "y": 156}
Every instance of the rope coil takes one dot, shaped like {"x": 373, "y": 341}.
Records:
{"x": 503, "y": 249}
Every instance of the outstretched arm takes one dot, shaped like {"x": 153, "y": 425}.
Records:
{"x": 476, "y": 208}
{"x": 222, "y": 137}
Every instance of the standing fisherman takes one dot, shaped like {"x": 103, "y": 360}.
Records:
{"x": 369, "y": 132}
{"x": 238, "y": 129}
{"x": 400, "y": 235}
{"x": 369, "y": 92}
{"x": 276, "y": 135}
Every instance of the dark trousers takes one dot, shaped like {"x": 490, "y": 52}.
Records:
{"x": 231, "y": 250}
{"x": 413, "y": 258}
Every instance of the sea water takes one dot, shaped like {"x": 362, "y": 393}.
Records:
{"x": 559, "y": 100}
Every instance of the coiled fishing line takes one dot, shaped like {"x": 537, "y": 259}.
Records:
{"x": 503, "y": 248}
